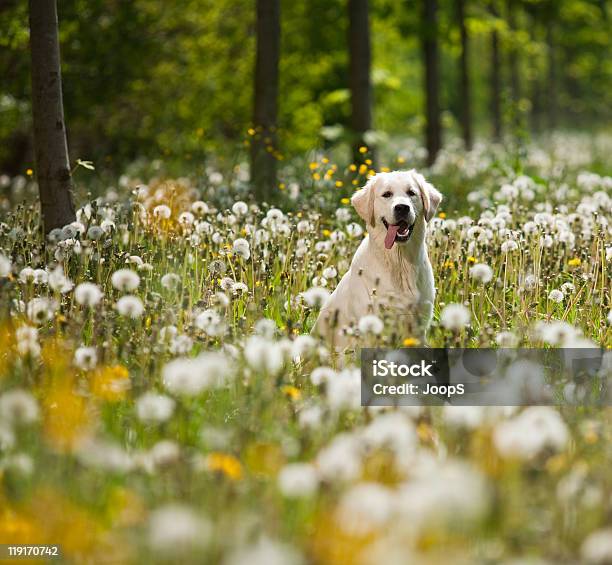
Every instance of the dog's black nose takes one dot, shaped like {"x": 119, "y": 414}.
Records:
{"x": 401, "y": 210}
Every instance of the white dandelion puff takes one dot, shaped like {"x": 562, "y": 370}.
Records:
{"x": 176, "y": 526}
{"x": 481, "y": 273}
{"x": 556, "y": 295}
{"x": 315, "y": 297}
{"x": 153, "y": 407}
{"x": 5, "y": 266}
{"x": 125, "y": 280}
{"x": 18, "y": 406}
{"x": 371, "y": 324}
{"x": 162, "y": 212}
{"x": 170, "y": 281}
{"x": 130, "y": 306}
{"x": 455, "y": 317}
{"x": 298, "y": 480}
{"x": 242, "y": 248}
{"x": 87, "y": 294}
{"x": 85, "y": 357}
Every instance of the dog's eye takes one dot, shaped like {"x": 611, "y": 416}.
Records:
{"x": 387, "y": 194}
{"x": 411, "y": 192}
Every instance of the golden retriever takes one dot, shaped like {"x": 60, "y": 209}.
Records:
{"x": 390, "y": 271}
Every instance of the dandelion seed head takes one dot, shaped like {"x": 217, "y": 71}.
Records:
{"x": 130, "y": 306}
{"x": 154, "y": 408}
{"x": 481, "y": 273}
{"x": 455, "y": 317}
{"x": 125, "y": 280}
{"x": 176, "y": 527}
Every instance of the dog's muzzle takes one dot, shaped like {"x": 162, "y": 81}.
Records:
{"x": 399, "y": 232}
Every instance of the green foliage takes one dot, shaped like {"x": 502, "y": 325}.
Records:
{"x": 174, "y": 79}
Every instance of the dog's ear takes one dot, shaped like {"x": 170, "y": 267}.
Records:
{"x": 430, "y": 196}
{"x": 363, "y": 202}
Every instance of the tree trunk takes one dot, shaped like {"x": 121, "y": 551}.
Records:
{"x": 464, "y": 87}
{"x": 496, "y": 114}
{"x": 50, "y": 145}
{"x": 552, "y": 78}
{"x": 359, "y": 73}
{"x": 536, "y": 106}
{"x": 265, "y": 107}
{"x": 433, "y": 135}
{"x": 515, "y": 83}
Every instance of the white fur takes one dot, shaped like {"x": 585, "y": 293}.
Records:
{"x": 399, "y": 280}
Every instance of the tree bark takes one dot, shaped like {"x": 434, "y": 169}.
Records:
{"x": 359, "y": 73}
{"x": 265, "y": 105}
{"x": 515, "y": 81}
{"x": 433, "y": 134}
{"x": 536, "y": 106}
{"x": 50, "y": 145}
{"x": 464, "y": 87}
{"x": 496, "y": 114}
{"x": 552, "y": 77}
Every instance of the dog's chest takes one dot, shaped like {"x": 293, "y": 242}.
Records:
{"x": 409, "y": 280}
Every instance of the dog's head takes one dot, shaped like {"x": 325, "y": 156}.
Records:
{"x": 393, "y": 203}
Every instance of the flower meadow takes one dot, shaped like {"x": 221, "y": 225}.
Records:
{"x": 162, "y": 400}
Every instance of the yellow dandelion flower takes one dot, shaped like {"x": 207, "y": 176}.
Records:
{"x": 352, "y": 167}
{"x": 368, "y": 161}
{"x": 326, "y": 233}
{"x": 313, "y": 166}
{"x": 225, "y": 464}
{"x": 363, "y": 149}
{"x": 325, "y": 160}
{"x": 401, "y": 160}
{"x": 410, "y": 342}
{"x": 316, "y": 176}
{"x": 345, "y": 201}
{"x": 29, "y": 172}
{"x": 449, "y": 265}
{"x": 282, "y": 186}
{"x": 292, "y": 392}
{"x": 471, "y": 259}
{"x": 17, "y": 527}
{"x": 384, "y": 169}
{"x": 110, "y": 383}
{"x": 251, "y": 131}
{"x": 339, "y": 184}
{"x": 355, "y": 182}
{"x": 442, "y": 215}
{"x": 575, "y": 262}
{"x": 66, "y": 417}
{"x": 363, "y": 169}
{"x": 556, "y": 463}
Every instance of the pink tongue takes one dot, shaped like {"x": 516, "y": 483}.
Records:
{"x": 390, "y": 237}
